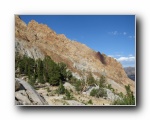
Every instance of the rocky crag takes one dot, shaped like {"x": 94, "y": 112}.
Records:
{"x": 38, "y": 40}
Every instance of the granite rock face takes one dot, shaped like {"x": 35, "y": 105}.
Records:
{"x": 26, "y": 95}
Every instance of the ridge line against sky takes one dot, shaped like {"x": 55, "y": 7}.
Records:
{"x": 113, "y": 35}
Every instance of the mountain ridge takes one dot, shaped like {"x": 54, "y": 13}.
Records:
{"x": 80, "y": 59}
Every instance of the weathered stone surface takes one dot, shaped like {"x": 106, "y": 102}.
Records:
{"x": 111, "y": 96}
{"x": 73, "y": 102}
{"x": 26, "y": 94}
{"x": 68, "y": 86}
{"x": 24, "y": 48}
{"x": 22, "y": 96}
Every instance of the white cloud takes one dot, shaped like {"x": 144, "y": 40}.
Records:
{"x": 124, "y": 33}
{"x": 130, "y": 36}
{"x": 118, "y": 55}
{"x": 126, "y": 61}
{"x": 130, "y": 58}
{"x": 130, "y": 55}
{"x": 117, "y": 33}
{"x": 113, "y": 33}
{"x": 111, "y": 55}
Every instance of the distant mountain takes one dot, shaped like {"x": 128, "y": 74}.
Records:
{"x": 130, "y": 71}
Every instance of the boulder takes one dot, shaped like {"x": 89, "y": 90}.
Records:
{"x": 26, "y": 95}
{"x": 22, "y": 96}
{"x": 68, "y": 86}
{"x": 111, "y": 96}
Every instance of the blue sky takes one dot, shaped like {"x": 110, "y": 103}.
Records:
{"x": 113, "y": 35}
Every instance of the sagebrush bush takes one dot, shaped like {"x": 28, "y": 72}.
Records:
{"x": 68, "y": 95}
{"x": 98, "y": 93}
{"x": 127, "y": 99}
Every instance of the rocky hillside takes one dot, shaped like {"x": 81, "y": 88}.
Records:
{"x": 38, "y": 40}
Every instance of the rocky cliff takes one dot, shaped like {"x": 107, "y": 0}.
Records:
{"x": 37, "y": 40}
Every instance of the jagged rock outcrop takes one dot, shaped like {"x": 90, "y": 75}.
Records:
{"x": 23, "y": 48}
{"x": 37, "y": 40}
{"x": 26, "y": 95}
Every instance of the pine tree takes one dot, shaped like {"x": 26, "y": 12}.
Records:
{"x": 61, "y": 88}
{"x": 90, "y": 80}
{"x": 102, "y": 82}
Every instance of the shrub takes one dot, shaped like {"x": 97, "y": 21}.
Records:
{"x": 90, "y": 80}
{"x": 98, "y": 93}
{"x": 68, "y": 95}
{"x": 127, "y": 99}
{"x": 90, "y": 102}
{"x": 102, "y": 82}
{"x": 110, "y": 88}
{"x": 94, "y": 92}
{"x": 101, "y": 93}
{"x": 79, "y": 85}
{"x": 61, "y": 89}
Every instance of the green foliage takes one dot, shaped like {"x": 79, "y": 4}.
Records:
{"x": 62, "y": 71}
{"x": 101, "y": 92}
{"x": 90, "y": 80}
{"x": 68, "y": 95}
{"x": 79, "y": 85}
{"x": 42, "y": 70}
{"x": 98, "y": 93}
{"x": 102, "y": 82}
{"x": 32, "y": 80}
{"x": 72, "y": 80}
{"x": 69, "y": 75}
{"x": 110, "y": 88}
{"x": 94, "y": 92}
{"x": 51, "y": 71}
{"x": 61, "y": 88}
{"x": 48, "y": 90}
{"x": 90, "y": 102}
{"x": 127, "y": 99}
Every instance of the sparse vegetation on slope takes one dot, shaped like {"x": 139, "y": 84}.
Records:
{"x": 100, "y": 92}
{"x": 127, "y": 99}
{"x": 42, "y": 71}
{"x": 47, "y": 71}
